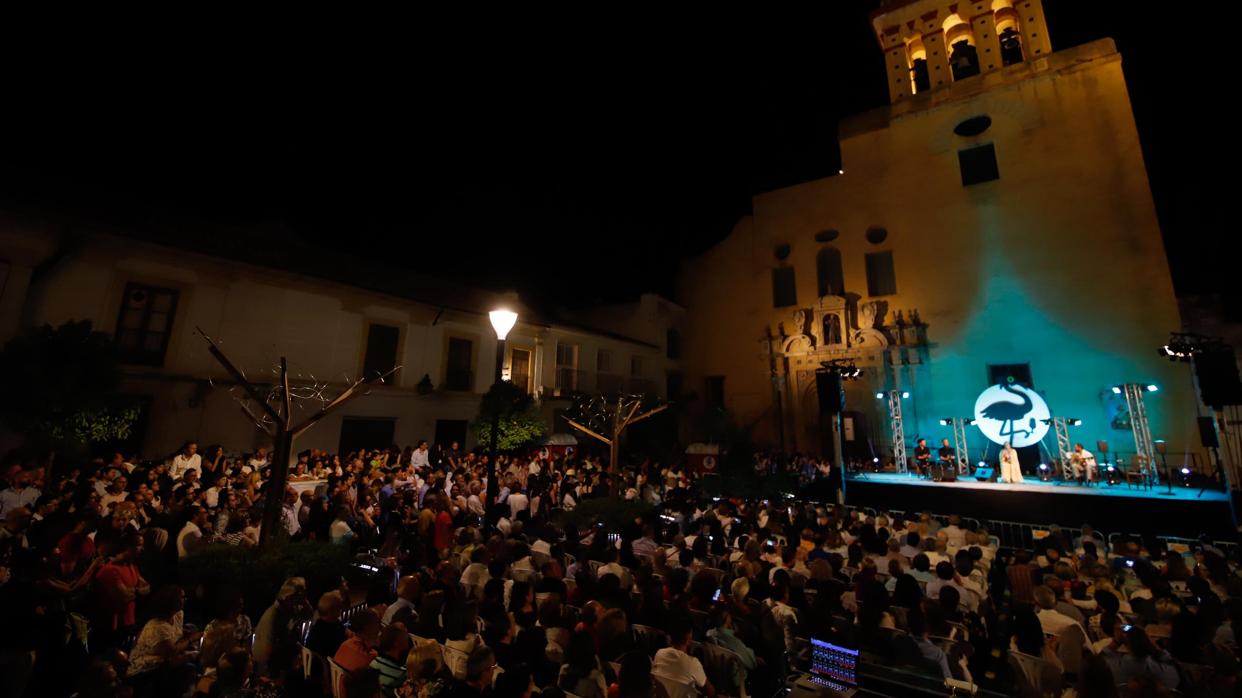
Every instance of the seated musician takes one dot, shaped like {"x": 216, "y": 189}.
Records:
{"x": 922, "y": 457}
{"x": 1082, "y": 462}
{"x": 948, "y": 457}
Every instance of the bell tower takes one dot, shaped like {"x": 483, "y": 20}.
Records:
{"x": 930, "y": 44}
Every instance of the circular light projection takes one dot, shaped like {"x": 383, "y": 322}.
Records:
{"x": 876, "y": 235}
{"x": 1012, "y": 412}
{"x": 973, "y": 126}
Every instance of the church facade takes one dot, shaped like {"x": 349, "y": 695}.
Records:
{"x": 993, "y": 225}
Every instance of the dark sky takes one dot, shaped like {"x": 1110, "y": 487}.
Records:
{"x": 573, "y": 166}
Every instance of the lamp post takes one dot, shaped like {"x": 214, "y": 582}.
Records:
{"x": 502, "y": 321}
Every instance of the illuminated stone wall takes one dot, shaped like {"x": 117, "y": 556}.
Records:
{"x": 1057, "y": 264}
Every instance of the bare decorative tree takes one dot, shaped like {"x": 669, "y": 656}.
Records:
{"x": 272, "y": 412}
{"x": 607, "y": 421}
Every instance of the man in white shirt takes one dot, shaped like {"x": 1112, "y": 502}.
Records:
{"x": 194, "y": 534}
{"x": 1082, "y": 462}
{"x": 188, "y": 459}
{"x": 614, "y": 568}
{"x": 954, "y": 535}
{"x": 289, "y": 512}
{"x": 212, "y": 494}
{"x": 420, "y": 457}
{"x": 1052, "y": 621}
{"x": 19, "y": 494}
{"x": 938, "y": 552}
{"x": 259, "y": 460}
{"x": 115, "y": 494}
{"x": 518, "y": 501}
{"x": 676, "y": 667}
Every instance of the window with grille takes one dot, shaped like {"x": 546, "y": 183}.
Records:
{"x": 145, "y": 324}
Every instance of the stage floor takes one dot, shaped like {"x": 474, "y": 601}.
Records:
{"x": 1115, "y": 508}
{"x": 1030, "y": 485}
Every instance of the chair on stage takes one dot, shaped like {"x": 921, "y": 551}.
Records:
{"x": 1138, "y": 473}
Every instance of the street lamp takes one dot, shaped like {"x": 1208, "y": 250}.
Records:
{"x": 502, "y": 321}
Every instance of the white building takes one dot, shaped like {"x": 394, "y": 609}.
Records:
{"x": 335, "y": 325}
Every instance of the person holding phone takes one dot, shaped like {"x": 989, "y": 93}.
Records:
{"x": 1132, "y": 654}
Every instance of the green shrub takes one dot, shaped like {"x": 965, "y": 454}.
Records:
{"x": 257, "y": 573}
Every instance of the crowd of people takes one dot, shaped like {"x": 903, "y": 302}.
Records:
{"x": 692, "y": 595}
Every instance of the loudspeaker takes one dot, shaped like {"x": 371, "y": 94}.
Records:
{"x": 828, "y": 385}
{"x": 949, "y": 475}
{"x": 1217, "y": 370}
{"x": 983, "y": 473}
{"x": 1207, "y": 432}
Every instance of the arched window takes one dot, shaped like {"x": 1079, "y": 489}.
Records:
{"x": 828, "y": 271}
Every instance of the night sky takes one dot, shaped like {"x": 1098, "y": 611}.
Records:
{"x": 574, "y": 166}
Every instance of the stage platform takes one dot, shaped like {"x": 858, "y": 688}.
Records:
{"x": 1117, "y": 507}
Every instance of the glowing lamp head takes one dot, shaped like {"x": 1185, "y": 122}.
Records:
{"x": 1151, "y": 388}
{"x": 875, "y": 460}
{"x": 502, "y": 322}
{"x": 879, "y": 396}
{"x": 905, "y": 394}
{"x": 1185, "y": 471}
{"x": 1043, "y": 466}
{"x": 1116, "y": 390}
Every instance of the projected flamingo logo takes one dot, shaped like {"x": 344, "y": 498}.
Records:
{"x": 1002, "y": 418}
{"x": 1007, "y": 412}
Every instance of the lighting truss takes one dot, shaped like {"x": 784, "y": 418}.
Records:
{"x": 897, "y": 427}
{"x": 960, "y": 447}
{"x": 1144, "y": 447}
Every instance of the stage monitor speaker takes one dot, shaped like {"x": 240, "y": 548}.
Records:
{"x": 1207, "y": 432}
{"x": 950, "y": 475}
{"x": 983, "y": 473}
{"x": 828, "y": 385}
{"x": 1217, "y": 370}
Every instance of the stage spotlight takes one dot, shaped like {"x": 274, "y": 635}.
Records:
{"x": 875, "y": 460}
{"x": 945, "y": 422}
{"x": 1044, "y": 473}
{"x": 1110, "y": 471}
{"x": 905, "y": 394}
{"x": 1152, "y": 388}
{"x": 1116, "y": 389}
{"x": 969, "y": 422}
{"x": 1074, "y": 422}
{"x": 879, "y": 396}
{"x": 1184, "y": 476}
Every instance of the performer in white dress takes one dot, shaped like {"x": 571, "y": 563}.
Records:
{"x": 1010, "y": 470}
